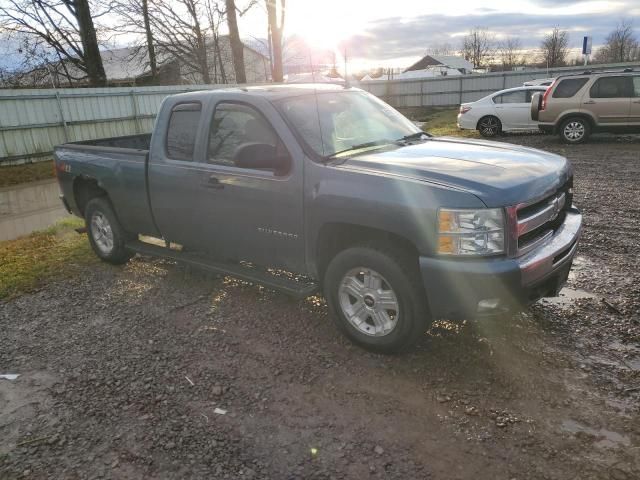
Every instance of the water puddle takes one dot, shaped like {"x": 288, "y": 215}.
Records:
{"x": 567, "y": 296}
{"x": 605, "y": 438}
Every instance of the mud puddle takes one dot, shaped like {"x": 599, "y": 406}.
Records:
{"x": 605, "y": 438}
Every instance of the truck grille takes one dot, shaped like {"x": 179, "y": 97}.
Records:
{"x": 537, "y": 222}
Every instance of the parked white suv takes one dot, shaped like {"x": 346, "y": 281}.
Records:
{"x": 504, "y": 111}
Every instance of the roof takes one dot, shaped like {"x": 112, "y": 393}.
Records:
{"x": 312, "y": 78}
{"x": 272, "y": 92}
{"x": 129, "y": 63}
{"x": 452, "y": 61}
{"x": 432, "y": 72}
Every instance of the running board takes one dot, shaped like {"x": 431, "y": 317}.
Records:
{"x": 284, "y": 284}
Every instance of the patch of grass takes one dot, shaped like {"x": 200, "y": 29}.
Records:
{"x": 27, "y": 262}
{"x": 29, "y": 172}
{"x": 443, "y": 121}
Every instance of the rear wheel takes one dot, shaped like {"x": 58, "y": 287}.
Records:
{"x": 575, "y": 130}
{"x": 106, "y": 235}
{"x": 376, "y": 298}
{"x": 489, "y": 126}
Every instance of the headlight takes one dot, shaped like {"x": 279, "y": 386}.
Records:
{"x": 470, "y": 232}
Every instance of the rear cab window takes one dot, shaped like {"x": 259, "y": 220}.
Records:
{"x": 182, "y": 130}
{"x": 568, "y": 87}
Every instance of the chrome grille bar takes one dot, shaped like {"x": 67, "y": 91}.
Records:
{"x": 548, "y": 212}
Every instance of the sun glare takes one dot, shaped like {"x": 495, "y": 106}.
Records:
{"x": 323, "y": 28}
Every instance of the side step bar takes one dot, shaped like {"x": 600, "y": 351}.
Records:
{"x": 289, "y": 286}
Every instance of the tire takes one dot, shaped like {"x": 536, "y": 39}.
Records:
{"x": 106, "y": 235}
{"x": 394, "y": 280}
{"x": 575, "y": 130}
{"x": 489, "y": 126}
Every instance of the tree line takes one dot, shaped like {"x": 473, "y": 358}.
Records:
{"x": 481, "y": 47}
{"x": 65, "y": 35}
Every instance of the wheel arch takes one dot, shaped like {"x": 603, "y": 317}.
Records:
{"x": 575, "y": 114}
{"x": 85, "y": 189}
{"x": 334, "y": 237}
{"x": 489, "y": 115}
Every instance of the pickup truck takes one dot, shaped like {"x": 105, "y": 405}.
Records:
{"x": 322, "y": 188}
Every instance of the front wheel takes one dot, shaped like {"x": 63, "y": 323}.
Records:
{"x": 376, "y": 298}
{"x": 106, "y": 235}
{"x": 489, "y": 126}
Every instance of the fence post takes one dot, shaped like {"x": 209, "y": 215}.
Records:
{"x": 460, "y": 91}
{"x": 422, "y": 93}
{"x": 504, "y": 80}
{"x": 62, "y": 119}
{"x": 134, "y": 104}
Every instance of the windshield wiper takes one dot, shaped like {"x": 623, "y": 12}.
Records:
{"x": 375, "y": 143}
{"x": 413, "y": 136}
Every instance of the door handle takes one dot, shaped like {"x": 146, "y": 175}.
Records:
{"x": 213, "y": 182}
{"x": 590, "y": 102}
{"x": 636, "y": 101}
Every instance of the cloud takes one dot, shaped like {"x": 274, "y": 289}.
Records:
{"x": 398, "y": 37}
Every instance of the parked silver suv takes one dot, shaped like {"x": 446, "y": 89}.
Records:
{"x": 576, "y": 106}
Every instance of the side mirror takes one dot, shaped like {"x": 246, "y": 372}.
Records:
{"x": 260, "y": 156}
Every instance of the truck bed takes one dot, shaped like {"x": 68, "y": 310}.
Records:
{"x": 118, "y": 165}
{"x": 131, "y": 142}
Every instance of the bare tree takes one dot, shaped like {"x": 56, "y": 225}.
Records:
{"x": 554, "y": 48}
{"x": 478, "y": 46}
{"x": 135, "y": 19}
{"x": 237, "y": 48}
{"x": 65, "y": 27}
{"x": 621, "y": 45}
{"x": 441, "y": 49}
{"x": 276, "y": 28}
{"x": 509, "y": 51}
{"x": 180, "y": 30}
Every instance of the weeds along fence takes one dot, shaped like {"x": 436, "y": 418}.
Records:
{"x": 33, "y": 122}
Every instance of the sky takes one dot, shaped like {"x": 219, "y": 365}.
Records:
{"x": 397, "y": 33}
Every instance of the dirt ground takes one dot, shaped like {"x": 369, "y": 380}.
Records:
{"x": 122, "y": 370}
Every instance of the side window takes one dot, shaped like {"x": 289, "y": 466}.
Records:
{"x": 519, "y": 96}
{"x": 568, "y": 87}
{"x": 611, "y": 87}
{"x": 636, "y": 86}
{"x": 182, "y": 130}
{"x": 530, "y": 94}
{"x": 234, "y": 125}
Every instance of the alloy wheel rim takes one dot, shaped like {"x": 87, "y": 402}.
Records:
{"x": 101, "y": 232}
{"x": 368, "y": 302}
{"x": 489, "y": 126}
{"x": 574, "y": 131}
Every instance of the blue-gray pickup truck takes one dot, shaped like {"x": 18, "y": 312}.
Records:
{"x": 323, "y": 188}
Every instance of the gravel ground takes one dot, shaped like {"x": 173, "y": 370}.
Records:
{"x": 123, "y": 368}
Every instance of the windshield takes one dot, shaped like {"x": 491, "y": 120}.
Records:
{"x": 332, "y": 122}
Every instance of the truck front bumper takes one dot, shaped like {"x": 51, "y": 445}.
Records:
{"x": 461, "y": 288}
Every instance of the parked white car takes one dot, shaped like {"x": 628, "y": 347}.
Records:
{"x": 504, "y": 111}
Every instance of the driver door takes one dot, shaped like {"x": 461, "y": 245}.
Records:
{"x": 253, "y": 215}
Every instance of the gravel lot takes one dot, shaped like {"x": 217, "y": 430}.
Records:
{"x": 122, "y": 369}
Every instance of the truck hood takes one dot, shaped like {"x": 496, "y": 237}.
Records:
{"x": 499, "y": 174}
